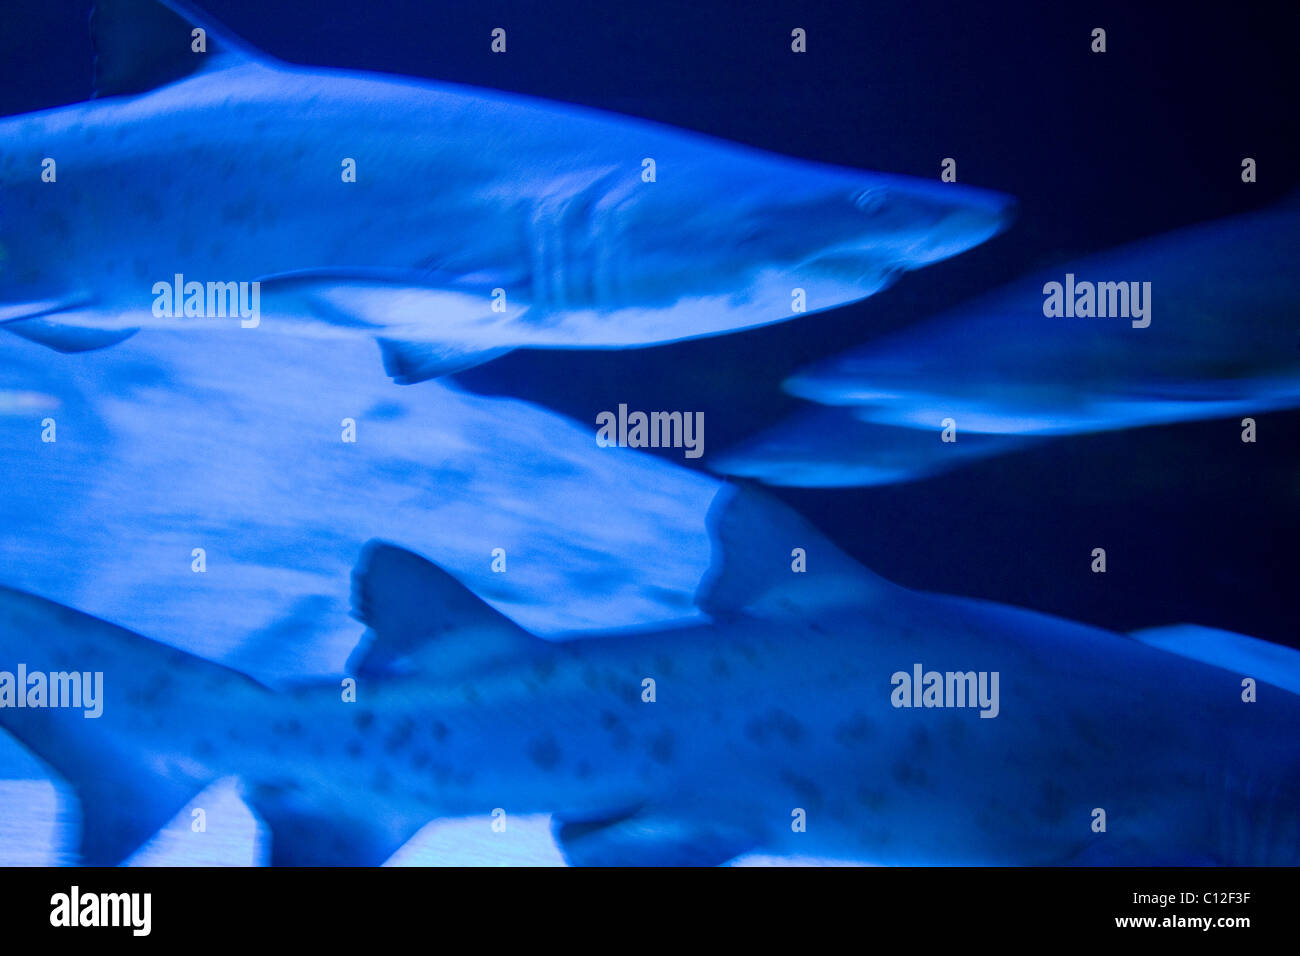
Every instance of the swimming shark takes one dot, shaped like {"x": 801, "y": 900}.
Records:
{"x": 1219, "y": 338}
{"x": 787, "y": 722}
{"x": 208, "y": 183}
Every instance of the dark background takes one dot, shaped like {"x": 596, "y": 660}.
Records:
{"x": 1099, "y": 150}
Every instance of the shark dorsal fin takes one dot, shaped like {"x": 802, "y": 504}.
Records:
{"x": 422, "y": 618}
{"x": 141, "y": 45}
{"x": 754, "y": 564}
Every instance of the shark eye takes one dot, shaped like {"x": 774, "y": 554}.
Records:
{"x": 870, "y": 200}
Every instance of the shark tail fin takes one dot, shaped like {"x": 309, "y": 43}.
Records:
{"x": 141, "y": 45}
{"x": 768, "y": 561}
{"x": 94, "y": 695}
{"x": 417, "y": 613}
{"x": 1271, "y": 663}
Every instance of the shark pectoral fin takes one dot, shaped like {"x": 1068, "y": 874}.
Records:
{"x": 1271, "y": 663}
{"x": 768, "y": 561}
{"x": 305, "y": 833}
{"x": 66, "y": 336}
{"x": 418, "y": 613}
{"x": 408, "y": 363}
{"x": 141, "y": 45}
{"x": 648, "y": 839}
{"x": 425, "y": 329}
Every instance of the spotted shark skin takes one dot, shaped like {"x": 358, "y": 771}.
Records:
{"x": 780, "y": 707}
{"x": 478, "y": 221}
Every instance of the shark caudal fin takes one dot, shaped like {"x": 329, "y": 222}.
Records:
{"x": 141, "y": 45}
{"x": 768, "y": 561}
{"x": 420, "y": 618}
{"x": 133, "y": 726}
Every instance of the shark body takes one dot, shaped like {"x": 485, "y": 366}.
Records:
{"x": 779, "y": 710}
{"x": 477, "y": 221}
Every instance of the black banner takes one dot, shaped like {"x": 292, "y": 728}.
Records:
{"x": 329, "y": 906}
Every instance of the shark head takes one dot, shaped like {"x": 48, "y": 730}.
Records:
{"x": 854, "y": 221}
{"x": 761, "y": 238}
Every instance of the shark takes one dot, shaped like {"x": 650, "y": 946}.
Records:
{"x": 789, "y": 721}
{"x": 1218, "y": 339}
{"x": 208, "y": 183}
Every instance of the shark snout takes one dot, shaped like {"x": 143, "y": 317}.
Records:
{"x": 925, "y": 223}
{"x": 962, "y": 228}
{"x": 866, "y": 232}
